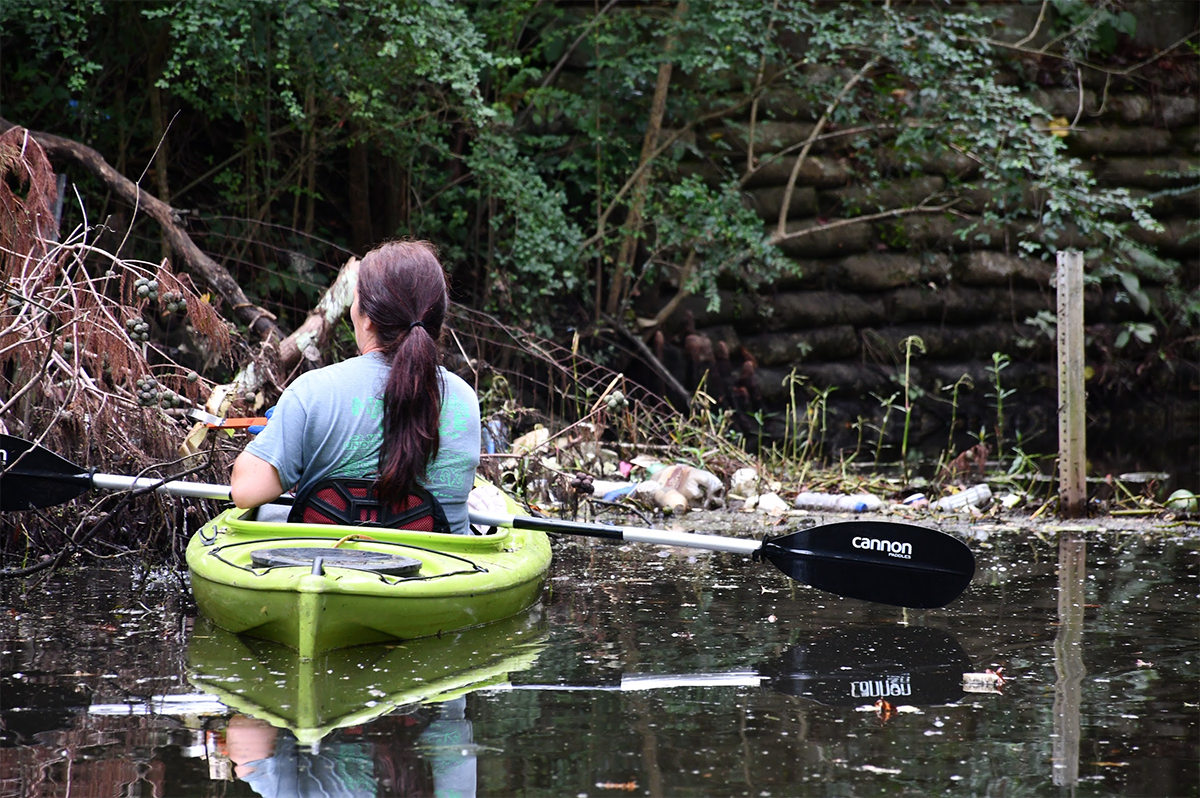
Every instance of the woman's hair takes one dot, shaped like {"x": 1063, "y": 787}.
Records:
{"x": 402, "y": 290}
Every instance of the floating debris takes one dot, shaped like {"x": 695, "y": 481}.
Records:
{"x": 990, "y": 681}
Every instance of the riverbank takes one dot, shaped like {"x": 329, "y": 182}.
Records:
{"x": 737, "y": 523}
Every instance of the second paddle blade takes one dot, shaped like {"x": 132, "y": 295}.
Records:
{"x": 33, "y": 477}
{"x": 888, "y": 563}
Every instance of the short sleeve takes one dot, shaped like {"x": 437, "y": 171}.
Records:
{"x": 281, "y": 443}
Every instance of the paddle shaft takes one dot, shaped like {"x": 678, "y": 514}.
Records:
{"x": 191, "y": 490}
{"x": 637, "y": 682}
{"x": 628, "y": 534}
{"x": 203, "y": 490}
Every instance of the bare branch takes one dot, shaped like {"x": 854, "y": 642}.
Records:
{"x": 562, "y": 61}
{"x": 1105, "y": 70}
{"x": 780, "y": 237}
{"x": 633, "y": 222}
{"x": 664, "y": 313}
{"x": 666, "y": 144}
{"x": 816, "y": 131}
{"x": 258, "y": 319}
{"x": 1036, "y": 26}
{"x": 758, "y": 82}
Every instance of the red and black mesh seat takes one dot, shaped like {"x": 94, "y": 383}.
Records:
{"x": 353, "y": 502}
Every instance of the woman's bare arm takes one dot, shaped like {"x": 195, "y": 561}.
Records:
{"x": 254, "y": 481}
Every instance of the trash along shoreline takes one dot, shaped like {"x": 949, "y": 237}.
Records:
{"x": 745, "y": 500}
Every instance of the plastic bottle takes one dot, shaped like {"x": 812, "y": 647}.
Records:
{"x": 701, "y": 488}
{"x": 975, "y": 496}
{"x": 839, "y": 502}
{"x": 744, "y": 482}
{"x": 495, "y": 436}
{"x": 666, "y": 499}
{"x": 611, "y": 490}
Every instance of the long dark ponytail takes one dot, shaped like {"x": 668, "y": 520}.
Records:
{"x": 402, "y": 290}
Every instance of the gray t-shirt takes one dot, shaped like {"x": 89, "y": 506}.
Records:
{"x": 340, "y": 770}
{"x": 328, "y": 423}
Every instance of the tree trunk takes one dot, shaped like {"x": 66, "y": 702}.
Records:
{"x": 360, "y": 192}
{"x": 633, "y": 223}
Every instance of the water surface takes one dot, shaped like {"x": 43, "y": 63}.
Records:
{"x": 642, "y": 672}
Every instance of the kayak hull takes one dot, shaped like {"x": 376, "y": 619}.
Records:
{"x": 463, "y": 581}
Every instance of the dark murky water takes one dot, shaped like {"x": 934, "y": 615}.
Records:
{"x": 643, "y": 673}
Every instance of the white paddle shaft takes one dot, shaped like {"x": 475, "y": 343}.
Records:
{"x": 193, "y": 490}
{"x": 629, "y": 534}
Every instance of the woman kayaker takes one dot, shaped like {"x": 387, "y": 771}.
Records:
{"x": 392, "y": 413}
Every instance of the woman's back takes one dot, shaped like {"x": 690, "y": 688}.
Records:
{"x": 392, "y": 414}
{"x": 328, "y": 424}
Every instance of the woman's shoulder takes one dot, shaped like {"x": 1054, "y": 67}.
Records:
{"x": 340, "y": 373}
{"x": 454, "y": 382}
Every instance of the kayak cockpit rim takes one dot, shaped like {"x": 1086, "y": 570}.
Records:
{"x": 233, "y": 521}
{"x": 216, "y": 553}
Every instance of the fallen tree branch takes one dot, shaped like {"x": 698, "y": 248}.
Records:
{"x": 335, "y": 303}
{"x": 259, "y": 320}
{"x": 303, "y": 344}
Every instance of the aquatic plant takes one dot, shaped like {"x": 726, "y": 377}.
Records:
{"x": 909, "y": 344}
{"x": 999, "y": 393}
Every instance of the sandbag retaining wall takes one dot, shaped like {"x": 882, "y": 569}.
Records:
{"x": 865, "y": 288}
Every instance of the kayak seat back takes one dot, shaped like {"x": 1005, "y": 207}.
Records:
{"x": 352, "y": 502}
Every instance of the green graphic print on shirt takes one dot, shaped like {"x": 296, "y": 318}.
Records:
{"x": 360, "y": 455}
{"x": 452, "y": 474}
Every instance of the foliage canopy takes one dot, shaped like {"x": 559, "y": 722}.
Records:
{"x": 559, "y": 155}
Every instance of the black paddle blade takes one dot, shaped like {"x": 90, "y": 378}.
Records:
{"x": 880, "y": 561}
{"x": 912, "y": 665}
{"x": 33, "y": 477}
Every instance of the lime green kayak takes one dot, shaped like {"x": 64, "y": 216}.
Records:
{"x": 312, "y": 697}
{"x": 319, "y": 587}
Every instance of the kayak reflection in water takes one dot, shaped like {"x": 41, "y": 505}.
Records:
{"x": 275, "y": 766}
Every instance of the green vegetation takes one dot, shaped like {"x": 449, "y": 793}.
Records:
{"x": 565, "y": 160}
{"x": 578, "y": 166}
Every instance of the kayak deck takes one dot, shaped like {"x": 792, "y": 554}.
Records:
{"x": 451, "y": 582}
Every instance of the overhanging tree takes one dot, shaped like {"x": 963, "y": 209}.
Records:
{"x": 557, "y": 152}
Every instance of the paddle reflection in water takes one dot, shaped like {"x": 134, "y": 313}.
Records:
{"x": 276, "y": 721}
{"x": 897, "y": 664}
{"x": 910, "y": 665}
{"x": 89, "y": 638}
